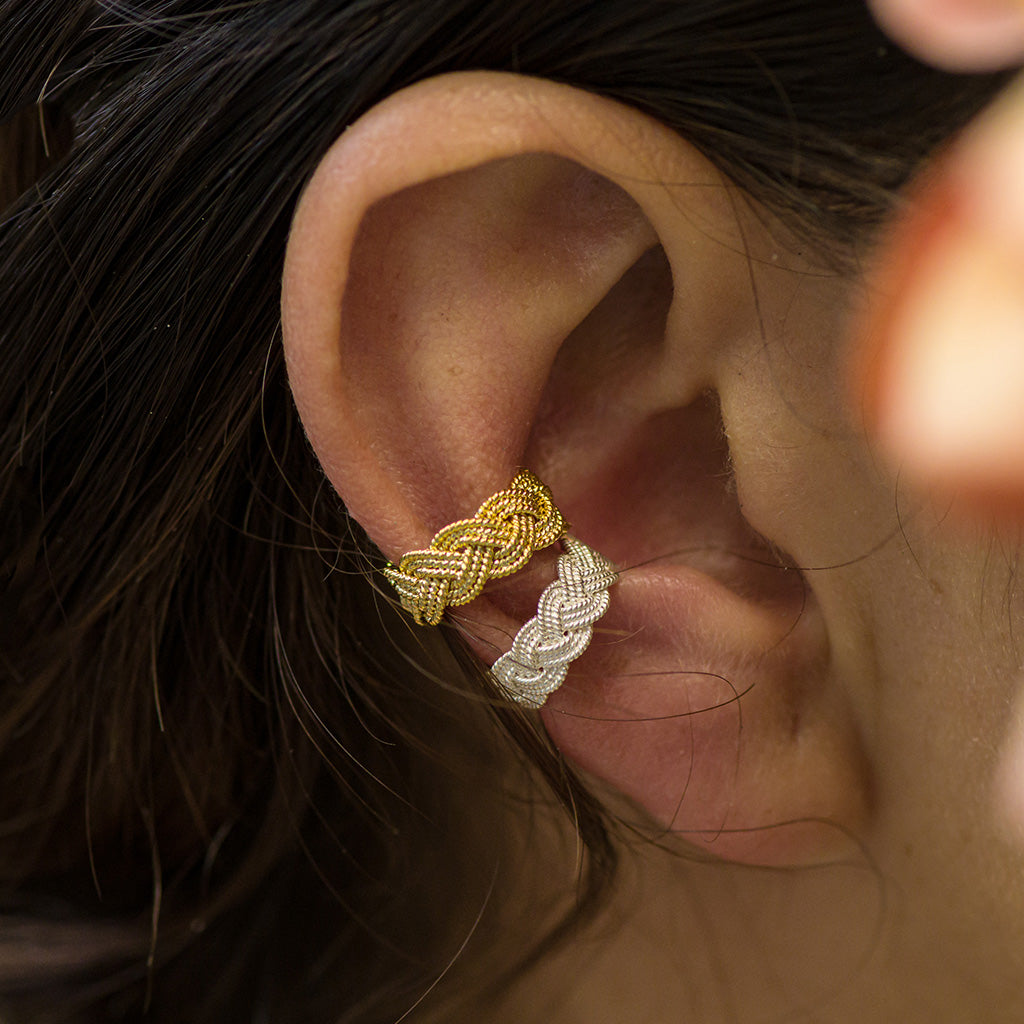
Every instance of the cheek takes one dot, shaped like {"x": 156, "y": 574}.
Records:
{"x": 944, "y": 628}
{"x": 948, "y": 677}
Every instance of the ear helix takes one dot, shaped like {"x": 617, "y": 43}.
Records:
{"x": 497, "y": 542}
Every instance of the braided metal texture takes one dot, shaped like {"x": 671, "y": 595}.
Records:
{"x": 561, "y": 630}
{"x": 498, "y": 541}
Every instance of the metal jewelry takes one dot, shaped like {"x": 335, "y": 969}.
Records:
{"x": 561, "y": 630}
{"x": 498, "y": 541}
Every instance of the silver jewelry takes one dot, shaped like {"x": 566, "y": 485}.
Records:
{"x": 561, "y": 630}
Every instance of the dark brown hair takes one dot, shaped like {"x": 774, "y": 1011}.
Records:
{"x": 232, "y": 782}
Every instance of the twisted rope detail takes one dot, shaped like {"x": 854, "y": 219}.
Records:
{"x": 498, "y": 541}
{"x": 561, "y": 630}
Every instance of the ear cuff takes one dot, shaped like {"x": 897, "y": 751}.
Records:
{"x": 560, "y": 632}
{"x": 498, "y": 541}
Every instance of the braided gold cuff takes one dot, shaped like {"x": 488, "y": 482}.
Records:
{"x": 498, "y": 541}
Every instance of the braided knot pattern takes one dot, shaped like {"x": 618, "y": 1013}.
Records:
{"x": 498, "y": 541}
{"x": 561, "y": 630}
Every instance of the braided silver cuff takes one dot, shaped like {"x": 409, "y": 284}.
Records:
{"x": 561, "y": 630}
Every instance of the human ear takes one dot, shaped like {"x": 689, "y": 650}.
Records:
{"x": 489, "y": 272}
{"x": 957, "y": 35}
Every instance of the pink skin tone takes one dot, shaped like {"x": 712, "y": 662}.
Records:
{"x": 943, "y": 372}
{"x": 472, "y": 285}
{"x": 957, "y": 35}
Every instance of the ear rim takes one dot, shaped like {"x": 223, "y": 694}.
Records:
{"x": 498, "y": 115}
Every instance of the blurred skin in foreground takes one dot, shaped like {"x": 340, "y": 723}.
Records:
{"x": 943, "y": 364}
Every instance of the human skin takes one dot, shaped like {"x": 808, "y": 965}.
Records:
{"x": 466, "y": 291}
{"x": 943, "y": 349}
{"x": 958, "y": 35}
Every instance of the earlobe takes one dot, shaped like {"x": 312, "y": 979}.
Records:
{"x": 488, "y": 273}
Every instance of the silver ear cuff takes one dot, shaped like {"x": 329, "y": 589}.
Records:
{"x": 561, "y": 630}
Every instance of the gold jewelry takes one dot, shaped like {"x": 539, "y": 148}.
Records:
{"x": 498, "y": 541}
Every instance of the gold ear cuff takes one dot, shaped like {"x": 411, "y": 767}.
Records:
{"x": 498, "y": 541}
